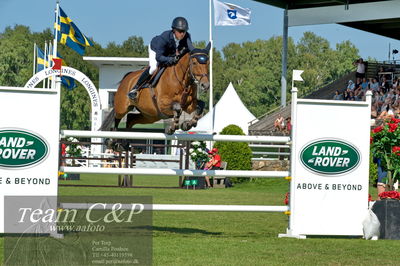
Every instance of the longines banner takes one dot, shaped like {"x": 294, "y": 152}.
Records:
{"x": 82, "y": 79}
{"x": 330, "y": 168}
{"x": 29, "y": 134}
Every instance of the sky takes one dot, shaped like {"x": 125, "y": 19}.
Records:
{"x": 114, "y": 21}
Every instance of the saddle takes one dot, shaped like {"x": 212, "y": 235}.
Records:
{"x": 152, "y": 82}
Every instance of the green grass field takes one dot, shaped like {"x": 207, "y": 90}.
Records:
{"x": 223, "y": 238}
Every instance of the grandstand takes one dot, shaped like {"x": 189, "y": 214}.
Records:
{"x": 265, "y": 124}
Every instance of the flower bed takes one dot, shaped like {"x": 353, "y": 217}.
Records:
{"x": 385, "y": 145}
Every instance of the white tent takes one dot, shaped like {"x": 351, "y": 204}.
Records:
{"x": 229, "y": 110}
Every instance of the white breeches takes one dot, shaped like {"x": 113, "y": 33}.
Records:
{"x": 152, "y": 61}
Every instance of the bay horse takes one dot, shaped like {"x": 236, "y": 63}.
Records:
{"x": 175, "y": 91}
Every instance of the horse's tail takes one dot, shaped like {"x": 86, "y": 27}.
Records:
{"x": 106, "y": 125}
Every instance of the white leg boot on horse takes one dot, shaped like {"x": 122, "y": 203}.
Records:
{"x": 176, "y": 107}
{"x": 187, "y": 125}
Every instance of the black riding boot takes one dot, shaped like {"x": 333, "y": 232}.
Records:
{"x": 142, "y": 79}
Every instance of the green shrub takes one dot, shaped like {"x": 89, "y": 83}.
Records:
{"x": 236, "y": 154}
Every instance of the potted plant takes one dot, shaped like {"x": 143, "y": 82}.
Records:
{"x": 73, "y": 150}
{"x": 198, "y": 153}
{"x": 385, "y": 146}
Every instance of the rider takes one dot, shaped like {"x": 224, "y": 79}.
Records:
{"x": 164, "y": 50}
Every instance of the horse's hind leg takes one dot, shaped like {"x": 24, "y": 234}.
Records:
{"x": 176, "y": 107}
{"x": 117, "y": 119}
{"x": 116, "y": 123}
{"x": 193, "y": 122}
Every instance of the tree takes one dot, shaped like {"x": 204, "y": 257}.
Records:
{"x": 15, "y": 56}
{"x": 345, "y": 54}
{"x": 321, "y": 64}
{"x": 254, "y": 68}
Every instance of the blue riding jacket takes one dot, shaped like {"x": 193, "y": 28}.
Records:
{"x": 165, "y": 47}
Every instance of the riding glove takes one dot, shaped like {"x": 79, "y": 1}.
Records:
{"x": 173, "y": 60}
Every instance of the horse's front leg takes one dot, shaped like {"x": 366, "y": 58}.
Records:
{"x": 177, "y": 109}
{"x": 193, "y": 122}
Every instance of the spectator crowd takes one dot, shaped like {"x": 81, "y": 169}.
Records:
{"x": 385, "y": 92}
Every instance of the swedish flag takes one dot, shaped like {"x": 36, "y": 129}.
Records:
{"x": 70, "y": 35}
{"x": 68, "y": 83}
{"x": 41, "y": 63}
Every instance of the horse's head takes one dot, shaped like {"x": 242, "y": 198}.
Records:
{"x": 199, "y": 62}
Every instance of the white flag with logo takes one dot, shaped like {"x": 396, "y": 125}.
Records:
{"x": 226, "y": 14}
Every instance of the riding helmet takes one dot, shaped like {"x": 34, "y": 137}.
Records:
{"x": 180, "y": 23}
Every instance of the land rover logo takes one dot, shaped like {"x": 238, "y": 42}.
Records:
{"x": 20, "y": 148}
{"x": 330, "y": 157}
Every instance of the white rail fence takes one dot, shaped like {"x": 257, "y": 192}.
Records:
{"x": 162, "y": 136}
{"x": 176, "y": 172}
{"x": 180, "y": 172}
{"x": 181, "y": 207}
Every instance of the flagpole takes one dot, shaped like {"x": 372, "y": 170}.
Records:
{"x": 56, "y": 30}
{"x": 46, "y": 59}
{"x": 34, "y": 59}
{"x": 211, "y": 104}
{"x": 44, "y": 63}
{"x": 55, "y": 39}
{"x": 49, "y": 60}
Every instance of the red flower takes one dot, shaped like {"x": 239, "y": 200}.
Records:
{"x": 286, "y": 201}
{"x": 394, "y": 120}
{"x": 396, "y": 150}
{"x": 371, "y": 139}
{"x": 377, "y": 129}
{"x": 389, "y": 195}
{"x": 369, "y": 197}
{"x": 392, "y": 127}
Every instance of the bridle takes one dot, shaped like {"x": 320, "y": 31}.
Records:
{"x": 202, "y": 58}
